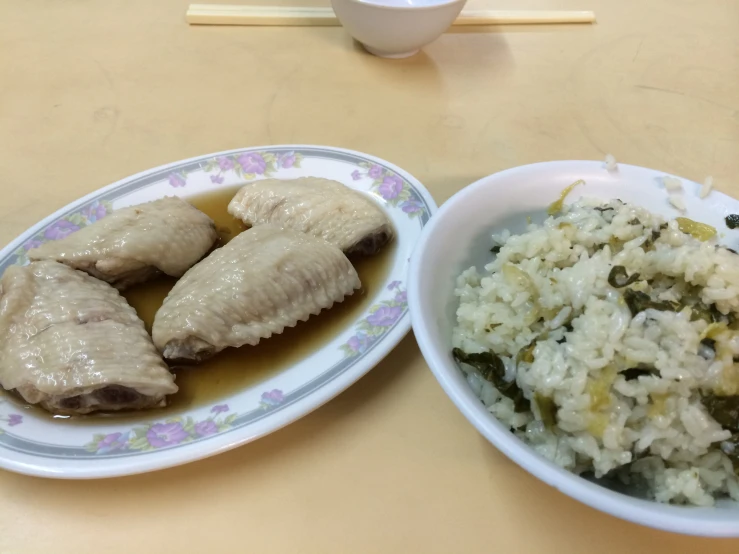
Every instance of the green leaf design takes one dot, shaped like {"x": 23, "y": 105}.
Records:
{"x": 348, "y": 352}
{"x": 139, "y": 432}
{"x": 91, "y": 447}
{"x": 405, "y": 194}
{"x": 77, "y": 219}
{"x": 230, "y": 419}
{"x": 268, "y": 157}
{"x": 177, "y": 419}
{"x": 189, "y": 425}
{"x": 139, "y": 444}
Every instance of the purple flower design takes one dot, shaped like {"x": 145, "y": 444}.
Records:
{"x": 375, "y": 171}
{"x": 287, "y": 160}
{"x": 15, "y": 419}
{"x": 391, "y": 187}
{"x": 356, "y": 175}
{"x": 166, "y": 434}
{"x": 94, "y": 212}
{"x": 31, "y": 244}
{"x": 216, "y": 179}
{"x": 401, "y": 297}
{"x": 225, "y": 163}
{"x": 252, "y": 163}
{"x": 205, "y": 428}
{"x": 176, "y": 180}
{"x": 219, "y": 409}
{"x": 411, "y": 206}
{"x": 393, "y": 285}
{"x": 384, "y": 316}
{"x": 60, "y": 229}
{"x": 360, "y": 342}
{"x": 273, "y": 397}
{"x": 112, "y": 442}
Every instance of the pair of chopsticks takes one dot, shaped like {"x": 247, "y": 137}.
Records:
{"x": 215, "y": 14}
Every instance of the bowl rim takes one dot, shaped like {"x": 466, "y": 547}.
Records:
{"x": 372, "y": 4}
{"x": 677, "y": 519}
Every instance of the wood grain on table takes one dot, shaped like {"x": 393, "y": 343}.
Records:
{"x": 91, "y": 92}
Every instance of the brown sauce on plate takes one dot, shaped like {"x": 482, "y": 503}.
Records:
{"x": 235, "y": 369}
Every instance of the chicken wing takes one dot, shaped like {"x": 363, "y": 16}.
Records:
{"x": 135, "y": 243}
{"x": 342, "y": 216}
{"x": 72, "y": 344}
{"x": 265, "y": 279}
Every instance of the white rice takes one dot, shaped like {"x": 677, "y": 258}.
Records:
{"x": 611, "y": 164}
{"x": 677, "y": 201}
{"x": 672, "y": 184}
{"x": 707, "y": 187}
{"x": 544, "y": 305}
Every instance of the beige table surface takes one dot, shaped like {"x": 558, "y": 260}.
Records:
{"x": 93, "y": 91}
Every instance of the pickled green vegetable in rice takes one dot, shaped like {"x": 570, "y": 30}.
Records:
{"x": 556, "y": 206}
{"x": 609, "y": 342}
{"x": 698, "y": 230}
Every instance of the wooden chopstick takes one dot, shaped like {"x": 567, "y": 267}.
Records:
{"x": 215, "y": 14}
{"x": 523, "y": 17}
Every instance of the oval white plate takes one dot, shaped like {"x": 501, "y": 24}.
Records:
{"x": 96, "y": 448}
{"x": 459, "y": 236}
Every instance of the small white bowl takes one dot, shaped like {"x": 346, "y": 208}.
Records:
{"x": 396, "y": 28}
{"x": 459, "y": 236}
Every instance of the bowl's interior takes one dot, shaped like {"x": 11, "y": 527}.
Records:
{"x": 459, "y": 237}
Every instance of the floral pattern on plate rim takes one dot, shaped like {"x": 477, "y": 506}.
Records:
{"x": 175, "y": 430}
{"x": 245, "y": 165}
{"x": 172, "y": 431}
{"x": 250, "y": 165}
{"x": 10, "y": 419}
{"x": 391, "y": 187}
{"x": 63, "y": 227}
{"x": 381, "y": 317}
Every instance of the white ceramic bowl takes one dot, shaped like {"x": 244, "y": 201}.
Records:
{"x": 458, "y": 236}
{"x": 396, "y": 28}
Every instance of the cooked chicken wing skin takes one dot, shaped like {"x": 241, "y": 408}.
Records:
{"x": 342, "y": 216}
{"x": 72, "y": 344}
{"x": 133, "y": 244}
{"x": 265, "y": 279}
